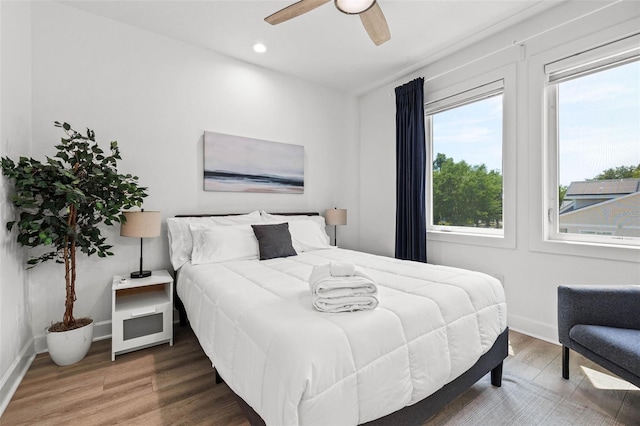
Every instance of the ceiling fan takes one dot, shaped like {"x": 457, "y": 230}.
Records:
{"x": 370, "y": 14}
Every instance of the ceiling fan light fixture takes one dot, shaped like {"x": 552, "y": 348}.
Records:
{"x": 353, "y": 7}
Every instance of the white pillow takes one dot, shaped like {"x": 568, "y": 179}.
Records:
{"x": 307, "y": 236}
{"x": 213, "y": 244}
{"x": 317, "y": 219}
{"x": 180, "y": 243}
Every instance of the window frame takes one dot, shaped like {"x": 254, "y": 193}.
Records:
{"x": 458, "y": 93}
{"x": 589, "y": 61}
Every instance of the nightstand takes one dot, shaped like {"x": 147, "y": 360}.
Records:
{"x": 141, "y": 312}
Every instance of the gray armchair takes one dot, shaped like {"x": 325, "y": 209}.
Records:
{"x": 603, "y": 324}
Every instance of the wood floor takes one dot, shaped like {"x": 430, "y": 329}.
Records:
{"x": 175, "y": 385}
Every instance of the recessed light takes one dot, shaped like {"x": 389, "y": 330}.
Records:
{"x": 259, "y": 48}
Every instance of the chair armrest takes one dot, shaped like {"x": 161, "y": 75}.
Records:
{"x": 611, "y": 306}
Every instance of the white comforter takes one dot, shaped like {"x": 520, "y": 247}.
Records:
{"x": 295, "y": 365}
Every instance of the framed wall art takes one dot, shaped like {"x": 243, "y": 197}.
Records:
{"x": 239, "y": 164}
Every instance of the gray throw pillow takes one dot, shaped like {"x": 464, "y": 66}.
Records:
{"x": 274, "y": 241}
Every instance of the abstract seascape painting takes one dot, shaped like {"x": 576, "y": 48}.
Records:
{"x": 239, "y": 164}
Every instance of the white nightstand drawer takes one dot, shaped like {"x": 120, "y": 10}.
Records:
{"x": 141, "y": 327}
{"x": 146, "y": 311}
{"x": 143, "y": 324}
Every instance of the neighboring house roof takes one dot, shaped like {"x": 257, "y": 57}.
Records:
{"x": 629, "y": 201}
{"x": 583, "y": 194}
{"x": 615, "y": 187}
{"x": 620, "y": 216}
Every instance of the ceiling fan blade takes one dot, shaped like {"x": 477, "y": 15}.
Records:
{"x": 376, "y": 25}
{"x": 296, "y": 9}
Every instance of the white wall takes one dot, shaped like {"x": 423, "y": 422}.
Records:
{"x": 16, "y": 341}
{"x": 156, "y": 96}
{"x": 530, "y": 272}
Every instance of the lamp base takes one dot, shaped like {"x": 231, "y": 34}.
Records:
{"x": 140, "y": 274}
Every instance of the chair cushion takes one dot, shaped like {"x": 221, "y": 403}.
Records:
{"x": 619, "y": 345}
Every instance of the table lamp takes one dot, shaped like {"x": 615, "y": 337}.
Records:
{"x": 335, "y": 217}
{"x": 142, "y": 224}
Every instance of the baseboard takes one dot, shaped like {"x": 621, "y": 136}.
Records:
{"x": 102, "y": 330}
{"x": 15, "y": 374}
{"x": 533, "y": 328}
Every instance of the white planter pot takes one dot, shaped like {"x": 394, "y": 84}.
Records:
{"x": 69, "y": 347}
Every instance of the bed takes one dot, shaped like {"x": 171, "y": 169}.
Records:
{"x": 435, "y": 332}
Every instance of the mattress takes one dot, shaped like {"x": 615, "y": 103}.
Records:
{"x": 295, "y": 365}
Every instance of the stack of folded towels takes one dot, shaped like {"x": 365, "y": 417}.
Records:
{"x": 341, "y": 287}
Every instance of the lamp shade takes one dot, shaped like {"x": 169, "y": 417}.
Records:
{"x": 335, "y": 216}
{"x": 142, "y": 224}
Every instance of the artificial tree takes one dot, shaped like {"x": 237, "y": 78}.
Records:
{"x": 62, "y": 203}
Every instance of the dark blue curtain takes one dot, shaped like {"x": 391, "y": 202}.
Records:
{"x": 411, "y": 227}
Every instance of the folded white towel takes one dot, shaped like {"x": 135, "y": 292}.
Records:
{"x": 323, "y": 284}
{"x": 342, "y": 269}
{"x": 345, "y": 304}
{"x": 329, "y": 293}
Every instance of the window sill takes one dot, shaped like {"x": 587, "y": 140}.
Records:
{"x": 476, "y": 239}
{"x": 622, "y": 253}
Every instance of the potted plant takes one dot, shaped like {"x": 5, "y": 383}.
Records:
{"x": 61, "y": 204}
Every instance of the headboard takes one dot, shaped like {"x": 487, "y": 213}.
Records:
{"x": 237, "y": 214}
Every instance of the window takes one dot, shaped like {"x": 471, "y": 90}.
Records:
{"x": 465, "y": 135}
{"x": 593, "y": 104}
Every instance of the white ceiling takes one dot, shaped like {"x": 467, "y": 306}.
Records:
{"x": 324, "y": 45}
